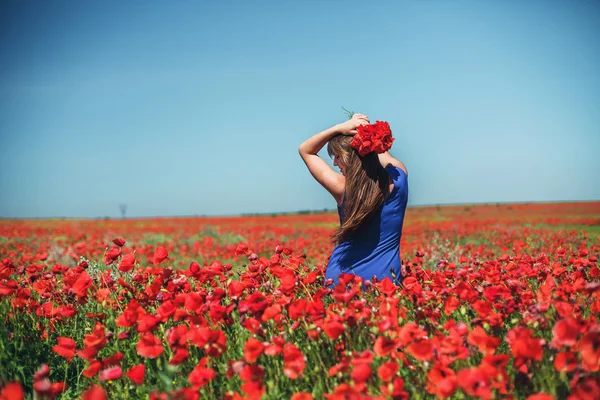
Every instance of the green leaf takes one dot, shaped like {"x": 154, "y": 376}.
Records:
{"x": 166, "y": 379}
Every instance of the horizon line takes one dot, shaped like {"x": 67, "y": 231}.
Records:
{"x": 311, "y": 211}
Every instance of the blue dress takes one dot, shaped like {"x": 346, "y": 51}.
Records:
{"x": 375, "y": 250}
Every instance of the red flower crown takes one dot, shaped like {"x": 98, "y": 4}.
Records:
{"x": 375, "y": 137}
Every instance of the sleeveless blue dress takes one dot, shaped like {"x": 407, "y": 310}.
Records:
{"x": 375, "y": 250}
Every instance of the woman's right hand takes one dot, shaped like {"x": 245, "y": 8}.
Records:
{"x": 349, "y": 127}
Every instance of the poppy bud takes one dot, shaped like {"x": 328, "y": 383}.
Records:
{"x": 43, "y": 386}
{"x": 42, "y": 372}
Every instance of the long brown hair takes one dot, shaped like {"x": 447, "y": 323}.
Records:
{"x": 366, "y": 187}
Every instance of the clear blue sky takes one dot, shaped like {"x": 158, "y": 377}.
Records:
{"x": 198, "y": 107}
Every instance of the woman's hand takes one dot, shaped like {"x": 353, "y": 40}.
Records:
{"x": 349, "y": 127}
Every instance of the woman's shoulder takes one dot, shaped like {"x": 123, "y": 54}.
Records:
{"x": 398, "y": 174}
{"x": 397, "y": 169}
{"x": 400, "y": 179}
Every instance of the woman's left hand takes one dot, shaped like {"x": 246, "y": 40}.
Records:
{"x": 349, "y": 127}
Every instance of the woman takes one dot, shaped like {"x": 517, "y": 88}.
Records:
{"x": 371, "y": 193}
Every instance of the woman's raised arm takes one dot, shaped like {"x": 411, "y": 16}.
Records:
{"x": 386, "y": 159}
{"x": 319, "y": 169}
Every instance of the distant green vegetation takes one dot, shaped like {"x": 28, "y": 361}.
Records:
{"x": 223, "y": 239}
{"x": 592, "y": 231}
{"x": 156, "y": 238}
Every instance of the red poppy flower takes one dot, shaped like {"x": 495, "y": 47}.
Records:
{"x": 523, "y": 345}
{"x": 149, "y": 346}
{"x": 93, "y": 342}
{"x": 485, "y": 343}
{"x": 342, "y": 392}
{"x": 297, "y": 309}
{"x": 253, "y": 349}
{"x": 475, "y": 382}
{"x": 130, "y": 315}
{"x": 127, "y": 262}
{"x": 253, "y": 390}
{"x": 410, "y": 332}
{"x": 255, "y": 303}
{"x": 214, "y": 342}
{"x": 111, "y": 374}
{"x": 240, "y": 249}
{"x": 293, "y": 361}
{"x": 441, "y": 381}
{"x": 112, "y": 254}
{"x": 384, "y": 346}
{"x": 412, "y": 286}
{"x": 361, "y": 373}
{"x": 119, "y": 242}
{"x": 340, "y": 293}
{"x": 375, "y": 137}
{"x": 565, "y": 361}
{"x": 589, "y": 349}
{"x": 422, "y": 350}
{"x": 271, "y": 312}
{"x": 166, "y": 310}
{"x": 180, "y": 356}
{"x": 301, "y": 396}
{"x": 115, "y": 359}
{"x": 160, "y": 255}
{"x": 544, "y": 293}
{"x": 81, "y": 285}
{"x": 58, "y": 388}
{"x": 333, "y": 329}
{"x": 235, "y": 289}
{"x": 397, "y": 391}
{"x": 540, "y": 396}
{"x": 252, "y": 372}
{"x": 276, "y": 347}
{"x": 12, "y": 391}
{"x": 176, "y": 336}
{"x": 585, "y": 389}
{"x": 450, "y": 305}
{"x": 287, "y": 281}
{"x": 386, "y": 286}
{"x": 65, "y": 348}
{"x": 95, "y": 392}
{"x": 8, "y": 288}
{"x": 92, "y": 369}
{"x": 136, "y": 374}
{"x": 565, "y": 333}
{"x": 147, "y": 322}
{"x": 387, "y": 370}
{"x": 201, "y": 375}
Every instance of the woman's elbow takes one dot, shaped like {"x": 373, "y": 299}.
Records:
{"x": 302, "y": 150}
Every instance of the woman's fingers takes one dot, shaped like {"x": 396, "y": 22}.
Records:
{"x": 363, "y": 118}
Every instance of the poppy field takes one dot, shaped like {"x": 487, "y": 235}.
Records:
{"x": 497, "y": 302}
